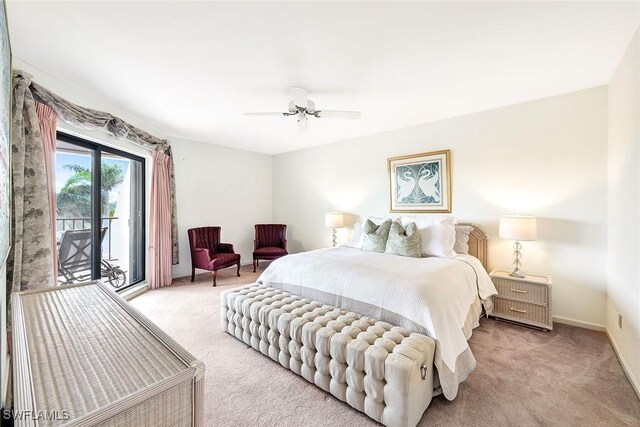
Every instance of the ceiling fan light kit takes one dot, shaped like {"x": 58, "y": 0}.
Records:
{"x": 302, "y": 107}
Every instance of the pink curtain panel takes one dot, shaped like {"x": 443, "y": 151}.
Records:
{"x": 48, "y": 120}
{"x": 160, "y": 247}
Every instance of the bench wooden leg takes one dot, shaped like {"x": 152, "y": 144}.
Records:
{"x": 254, "y": 265}
{"x": 193, "y": 274}
{"x": 214, "y": 274}
{"x": 238, "y": 272}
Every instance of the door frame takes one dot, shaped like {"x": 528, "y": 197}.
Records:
{"x": 96, "y": 216}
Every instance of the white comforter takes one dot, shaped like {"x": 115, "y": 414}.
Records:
{"x": 429, "y": 295}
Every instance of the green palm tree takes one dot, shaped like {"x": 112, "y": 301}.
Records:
{"x": 74, "y": 198}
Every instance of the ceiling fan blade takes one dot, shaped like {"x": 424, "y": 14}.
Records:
{"x": 300, "y": 96}
{"x": 302, "y": 123}
{"x": 334, "y": 114}
{"x": 264, "y": 114}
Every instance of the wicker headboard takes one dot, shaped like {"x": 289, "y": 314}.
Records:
{"x": 478, "y": 244}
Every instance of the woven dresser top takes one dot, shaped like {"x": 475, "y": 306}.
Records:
{"x": 87, "y": 348}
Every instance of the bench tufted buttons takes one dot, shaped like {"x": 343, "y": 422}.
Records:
{"x": 394, "y": 336}
{"x": 295, "y": 326}
{"x": 361, "y": 324}
{"x": 377, "y": 330}
{"x": 372, "y": 365}
{"x": 374, "y": 359}
{"x": 367, "y": 336}
{"x": 338, "y": 347}
{"x": 385, "y": 343}
{"x": 309, "y": 330}
{"x": 323, "y": 337}
{"x": 336, "y": 325}
{"x": 352, "y": 331}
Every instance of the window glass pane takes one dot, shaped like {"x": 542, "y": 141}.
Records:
{"x": 137, "y": 223}
{"x": 73, "y": 213}
{"x": 122, "y": 216}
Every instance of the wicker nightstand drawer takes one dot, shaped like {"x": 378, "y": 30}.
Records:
{"x": 522, "y": 291}
{"x": 519, "y": 310}
{"x": 525, "y": 300}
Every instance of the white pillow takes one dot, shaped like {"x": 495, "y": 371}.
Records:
{"x": 355, "y": 236}
{"x": 437, "y": 234}
{"x": 462, "y": 239}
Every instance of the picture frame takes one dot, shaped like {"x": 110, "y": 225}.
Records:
{"x": 5, "y": 135}
{"x": 420, "y": 182}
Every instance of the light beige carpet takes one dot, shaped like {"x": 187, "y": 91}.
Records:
{"x": 568, "y": 377}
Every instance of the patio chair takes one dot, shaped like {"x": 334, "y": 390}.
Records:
{"x": 74, "y": 260}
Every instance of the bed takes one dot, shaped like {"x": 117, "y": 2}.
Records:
{"x": 402, "y": 291}
{"x": 440, "y": 298}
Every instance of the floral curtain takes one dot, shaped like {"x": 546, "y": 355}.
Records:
{"x": 30, "y": 260}
{"x": 86, "y": 118}
{"x": 32, "y": 257}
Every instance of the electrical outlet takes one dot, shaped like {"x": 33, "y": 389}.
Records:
{"x": 619, "y": 320}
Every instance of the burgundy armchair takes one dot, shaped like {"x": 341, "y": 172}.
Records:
{"x": 270, "y": 242}
{"x": 207, "y": 253}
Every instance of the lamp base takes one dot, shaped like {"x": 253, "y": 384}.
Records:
{"x": 517, "y": 256}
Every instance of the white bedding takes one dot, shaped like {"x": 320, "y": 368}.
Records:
{"x": 429, "y": 295}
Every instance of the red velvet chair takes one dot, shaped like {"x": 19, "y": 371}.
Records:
{"x": 270, "y": 242}
{"x": 207, "y": 253}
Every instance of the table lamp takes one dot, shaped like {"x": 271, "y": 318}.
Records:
{"x": 518, "y": 228}
{"x": 334, "y": 220}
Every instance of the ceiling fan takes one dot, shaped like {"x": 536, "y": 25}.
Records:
{"x": 302, "y": 107}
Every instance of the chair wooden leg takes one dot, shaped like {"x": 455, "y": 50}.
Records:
{"x": 214, "y": 274}
{"x": 254, "y": 265}
{"x": 238, "y": 272}
{"x": 193, "y": 274}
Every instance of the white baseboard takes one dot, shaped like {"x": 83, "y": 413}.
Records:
{"x": 579, "y": 323}
{"x": 625, "y": 366}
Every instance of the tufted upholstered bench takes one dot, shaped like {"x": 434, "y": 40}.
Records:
{"x": 382, "y": 370}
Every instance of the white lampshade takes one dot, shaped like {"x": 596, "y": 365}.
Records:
{"x": 334, "y": 220}
{"x": 516, "y": 227}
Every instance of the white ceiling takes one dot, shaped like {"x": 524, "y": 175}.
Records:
{"x": 193, "y": 68}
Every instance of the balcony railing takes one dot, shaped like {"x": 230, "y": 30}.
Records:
{"x": 82, "y": 223}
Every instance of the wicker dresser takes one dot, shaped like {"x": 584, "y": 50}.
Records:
{"x": 526, "y": 301}
{"x": 84, "y": 357}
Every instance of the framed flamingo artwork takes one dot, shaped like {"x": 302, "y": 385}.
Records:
{"x": 420, "y": 182}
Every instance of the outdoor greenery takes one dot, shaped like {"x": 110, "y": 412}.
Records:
{"x": 74, "y": 198}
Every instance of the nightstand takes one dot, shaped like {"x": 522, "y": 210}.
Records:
{"x": 526, "y": 301}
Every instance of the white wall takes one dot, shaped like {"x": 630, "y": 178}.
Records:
{"x": 624, "y": 212}
{"x": 221, "y": 186}
{"x": 546, "y": 158}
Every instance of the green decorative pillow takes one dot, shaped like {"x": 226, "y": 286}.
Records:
{"x": 375, "y": 236}
{"x": 404, "y": 241}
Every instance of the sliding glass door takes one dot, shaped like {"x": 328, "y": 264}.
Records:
{"x": 100, "y": 211}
